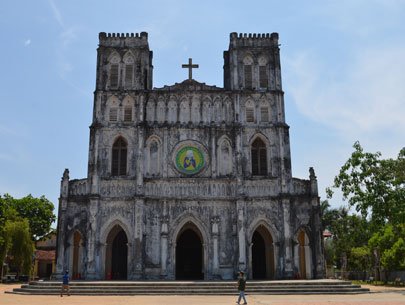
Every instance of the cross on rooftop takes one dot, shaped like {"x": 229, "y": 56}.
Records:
{"x": 190, "y": 67}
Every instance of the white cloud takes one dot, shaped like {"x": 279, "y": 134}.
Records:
{"x": 56, "y": 13}
{"x": 27, "y": 42}
{"x": 366, "y": 94}
{"x": 68, "y": 36}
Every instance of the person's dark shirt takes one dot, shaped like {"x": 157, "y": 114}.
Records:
{"x": 241, "y": 284}
{"x": 66, "y": 279}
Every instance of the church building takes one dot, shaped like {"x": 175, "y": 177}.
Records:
{"x": 189, "y": 181}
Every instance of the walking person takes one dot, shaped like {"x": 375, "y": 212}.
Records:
{"x": 241, "y": 287}
{"x": 65, "y": 284}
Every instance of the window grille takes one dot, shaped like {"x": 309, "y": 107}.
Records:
{"x": 113, "y": 114}
{"x": 264, "y": 114}
{"x": 129, "y": 71}
{"x": 250, "y": 114}
{"x": 259, "y": 158}
{"x": 114, "y": 75}
{"x": 264, "y": 80}
{"x": 248, "y": 76}
{"x": 128, "y": 114}
{"x": 119, "y": 158}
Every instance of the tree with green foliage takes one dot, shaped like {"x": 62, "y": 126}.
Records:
{"x": 38, "y": 211}
{"x": 20, "y": 245}
{"x": 390, "y": 244}
{"x": 348, "y": 232}
{"x": 374, "y": 186}
{"x": 21, "y": 218}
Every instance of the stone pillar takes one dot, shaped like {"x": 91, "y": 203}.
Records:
{"x": 240, "y": 204}
{"x": 138, "y": 238}
{"x": 163, "y": 246}
{"x": 288, "y": 263}
{"x": 165, "y": 154}
{"x": 61, "y": 265}
{"x": 213, "y": 154}
{"x": 316, "y": 239}
{"x": 91, "y": 272}
{"x": 215, "y": 234}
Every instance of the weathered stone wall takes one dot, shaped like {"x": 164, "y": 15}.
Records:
{"x": 154, "y": 200}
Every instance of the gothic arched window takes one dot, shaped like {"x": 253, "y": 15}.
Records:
{"x": 224, "y": 158}
{"x": 259, "y": 158}
{"x": 248, "y": 72}
{"x": 119, "y": 158}
{"x": 263, "y": 73}
{"x": 154, "y": 162}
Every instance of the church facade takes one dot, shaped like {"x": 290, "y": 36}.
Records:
{"x": 189, "y": 181}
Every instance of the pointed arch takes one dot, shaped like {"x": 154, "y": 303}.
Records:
{"x": 195, "y": 110}
{"x": 248, "y": 71}
{"x": 113, "y": 104}
{"x": 129, "y": 60}
{"x": 75, "y": 254}
{"x": 172, "y": 111}
{"x": 150, "y": 110}
{"x": 225, "y": 156}
{"x": 116, "y": 263}
{"x": 119, "y": 157}
{"x": 128, "y": 104}
{"x": 228, "y": 110}
{"x": 264, "y": 110}
{"x": 263, "y": 72}
{"x": 206, "y": 112}
{"x": 153, "y": 153}
{"x": 129, "y": 57}
{"x": 249, "y": 111}
{"x": 218, "y": 110}
{"x": 303, "y": 253}
{"x": 109, "y": 231}
{"x": 78, "y": 253}
{"x": 161, "y": 110}
{"x": 259, "y": 155}
{"x": 113, "y": 69}
{"x": 184, "y": 111}
{"x": 263, "y": 250}
{"x": 189, "y": 221}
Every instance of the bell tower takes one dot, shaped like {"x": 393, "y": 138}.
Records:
{"x": 124, "y": 62}
{"x": 252, "y": 62}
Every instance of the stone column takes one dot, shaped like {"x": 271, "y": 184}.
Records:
{"x": 288, "y": 263}
{"x": 163, "y": 246}
{"x": 213, "y": 153}
{"x": 61, "y": 265}
{"x": 250, "y": 268}
{"x": 91, "y": 239}
{"x": 317, "y": 251}
{"x": 165, "y": 154}
{"x": 215, "y": 234}
{"x": 240, "y": 204}
{"x": 138, "y": 238}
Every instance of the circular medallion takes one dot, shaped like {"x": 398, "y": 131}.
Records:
{"x": 189, "y": 160}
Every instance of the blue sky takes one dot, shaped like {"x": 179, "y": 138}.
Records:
{"x": 343, "y": 69}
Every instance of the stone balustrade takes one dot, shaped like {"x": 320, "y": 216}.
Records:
{"x": 78, "y": 187}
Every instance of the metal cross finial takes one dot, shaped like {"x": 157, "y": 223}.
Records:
{"x": 190, "y": 67}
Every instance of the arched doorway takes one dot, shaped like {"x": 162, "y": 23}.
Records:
{"x": 117, "y": 254}
{"x": 262, "y": 254}
{"x": 304, "y": 255}
{"x": 189, "y": 254}
{"x": 77, "y": 256}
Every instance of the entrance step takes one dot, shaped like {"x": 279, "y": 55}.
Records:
{"x": 191, "y": 287}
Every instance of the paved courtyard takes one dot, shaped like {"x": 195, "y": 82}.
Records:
{"x": 383, "y": 296}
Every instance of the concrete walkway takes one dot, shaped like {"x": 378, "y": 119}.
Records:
{"x": 379, "y": 296}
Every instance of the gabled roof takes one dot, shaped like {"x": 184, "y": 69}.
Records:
{"x": 189, "y": 85}
{"x": 45, "y": 255}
